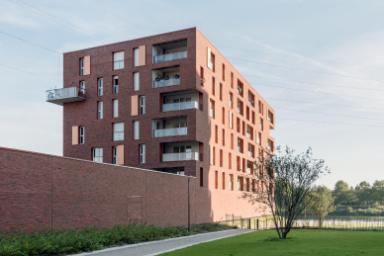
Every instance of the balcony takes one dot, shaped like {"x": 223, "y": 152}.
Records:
{"x": 185, "y": 156}
{"x": 180, "y": 151}
{"x": 176, "y": 126}
{"x": 166, "y": 77}
{"x": 180, "y": 106}
{"x": 157, "y": 133}
{"x": 65, "y": 95}
{"x": 180, "y": 101}
{"x": 169, "y": 51}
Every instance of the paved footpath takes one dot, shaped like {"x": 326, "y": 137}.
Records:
{"x": 161, "y": 246}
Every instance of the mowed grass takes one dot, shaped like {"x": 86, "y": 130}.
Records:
{"x": 301, "y": 242}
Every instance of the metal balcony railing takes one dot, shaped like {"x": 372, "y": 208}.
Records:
{"x": 167, "y": 157}
{"x": 170, "y": 132}
{"x": 65, "y": 95}
{"x": 165, "y": 82}
{"x": 180, "y": 106}
{"x": 170, "y": 57}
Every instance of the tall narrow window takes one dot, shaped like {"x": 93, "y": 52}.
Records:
{"x": 100, "y": 110}
{"x": 136, "y": 56}
{"x": 136, "y": 130}
{"x": 202, "y": 79}
{"x": 118, "y": 131}
{"x": 223, "y": 137}
{"x": 231, "y": 100}
{"x": 221, "y": 91}
{"x": 118, "y": 154}
{"x": 223, "y": 115}
{"x": 232, "y": 78}
{"x": 221, "y": 157}
{"x": 213, "y": 86}
{"x": 81, "y": 135}
{"x": 115, "y": 104}
{"x": 85, "y": 65}
{"x": 231, "y": 181}
{"x": 223, "y": 180}
{"x": 97, "y": 155}
{"x": 201, "y": 177}
{"x": 216, "y": 179}
{"x": 230, "y": 119}
{"x": 115, "y": 85}
{"x": 139, "y": 56}
{"x": 100, "y": 86}
{"x": 223, "y": 72}
{"x": 142, "y": 108}
{"x": 210, "y": 59}
{"x": 118, "y": 60}
{"x": 114, "y": 155}
{"x": 216, "y": 134}
{"x": 82, "y": 87}
{"x": 136, "y": 81}
{"x": 212, "y": 108}
{"x": 142, "y": 153}
{"x": 81, "y": 66}
{"x": 229, "y": 160}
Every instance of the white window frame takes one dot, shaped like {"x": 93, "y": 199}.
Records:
{"x": 118, "y": 131}
{"x": 81, "y": 66}
{"x": 142, "y": 102}
{"x": 142, "y": 153}
{"x": 97, "y": 155}
{"x": 136, "y": 81}
{"x": 115, "y": 104}
{"x": 81, "y": 135}
{"x": 118, "y": 60}
{"x": 82, "y": 87}
{"x": 114, "y": 155}
{"x": 100, "y": 110}
{"x": 100, "y": 86}
{"x": 136, "y": 130}
{"x": 115, "y": 86}
{"x": 136, "y": 56}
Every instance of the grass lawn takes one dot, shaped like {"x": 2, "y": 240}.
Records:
{"x": 301, "y": 242}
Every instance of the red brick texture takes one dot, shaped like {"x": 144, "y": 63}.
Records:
{"x": 41, "y": 192}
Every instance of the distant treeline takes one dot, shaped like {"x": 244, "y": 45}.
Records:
{"x": 364, "y": 199}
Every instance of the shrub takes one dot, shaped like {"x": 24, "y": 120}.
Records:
{"x": 90, "y": 239}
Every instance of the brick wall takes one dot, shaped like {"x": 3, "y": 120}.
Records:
{"x": 41, "y": 192}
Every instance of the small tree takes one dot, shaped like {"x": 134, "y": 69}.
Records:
{"x": 320, "y": 202}
{"x": 288, "y": 177}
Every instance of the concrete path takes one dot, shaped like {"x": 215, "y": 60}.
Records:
{"x": 161, "y": 246}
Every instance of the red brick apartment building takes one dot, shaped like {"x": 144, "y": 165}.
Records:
{"x": 172, "y": 103}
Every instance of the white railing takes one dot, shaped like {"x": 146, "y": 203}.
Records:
{"x": 170, "y": 132}
{"x": 167, "y": 157}
{"x": 170, "y": 57}
{"x": 165, "y": 82}
{"x": 180, "y": 106}
{"x": 63, "y": 93}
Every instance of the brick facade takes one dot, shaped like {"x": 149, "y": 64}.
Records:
{"x": 41, "y": 192}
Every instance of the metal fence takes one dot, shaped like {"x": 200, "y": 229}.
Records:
{"x": 331, "y": 222}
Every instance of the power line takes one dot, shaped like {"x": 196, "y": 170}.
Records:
{"x": 56, "y": 19}
{"x": 21, "y": 39}
{"x": 292, "y": 68}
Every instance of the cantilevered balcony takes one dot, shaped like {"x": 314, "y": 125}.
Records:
{"x": 65, "y": 95}
{"x": 168, "y": 157}
{"x": 180, "y": 101}
{"x": 166, "y": 77}
{"x": 169, "y": 51}
{"x": 170, "y": 127}
{"x": 180, "y": 151}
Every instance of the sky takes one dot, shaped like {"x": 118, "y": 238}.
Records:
{"x": 320, "y": 64}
